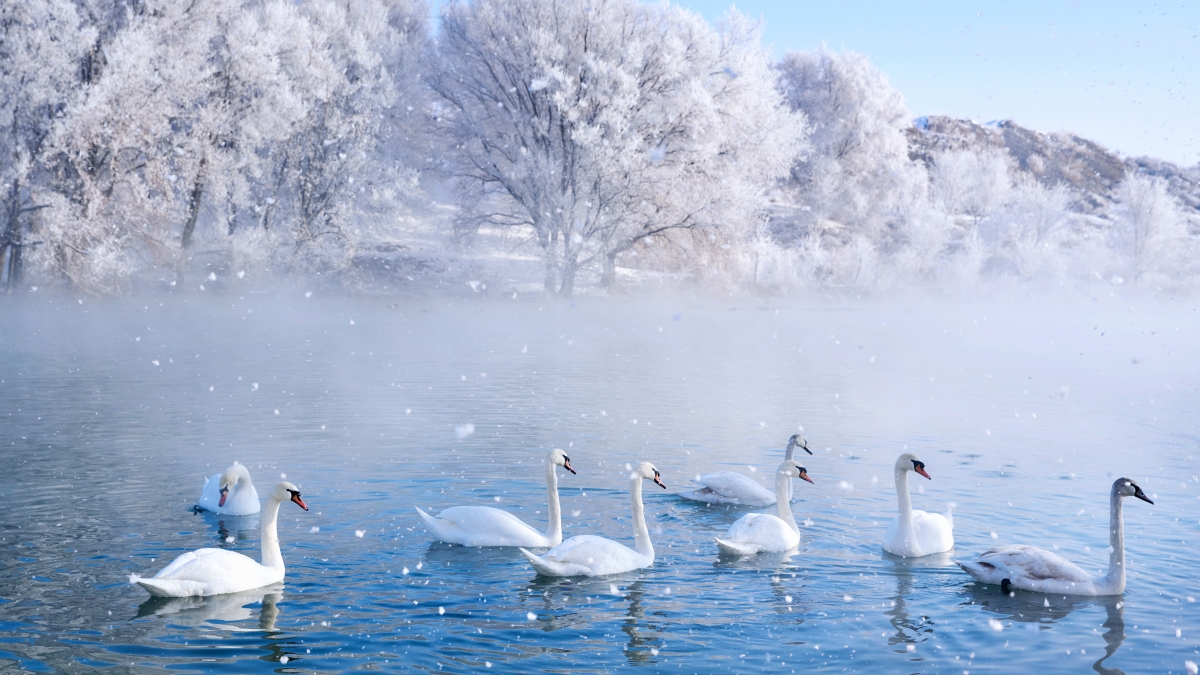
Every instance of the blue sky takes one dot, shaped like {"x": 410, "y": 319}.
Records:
{"x": 1122, "y": 74}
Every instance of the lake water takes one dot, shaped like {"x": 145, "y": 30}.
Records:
{"x": 112, "y": 413}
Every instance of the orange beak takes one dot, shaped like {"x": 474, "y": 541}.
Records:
{"x": 804, "y": 476}
{"x": 299, "y": 502}
{"x": 921, "y": 470}
{"x": 224, "y": 494}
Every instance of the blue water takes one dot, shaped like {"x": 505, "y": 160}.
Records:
{"x": 1023, "y": 412}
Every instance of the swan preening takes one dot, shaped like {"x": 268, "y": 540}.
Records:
{"x": 727, "y": 487}
{"x": 1033, "y": 569}
{"x": 213, "y": 571}
{"x": 592, "y": 556}
{"x": 758, "y": 532}
{"x": 915, "y": 533}
{"x": 230, "y": 493}
{"x": 487, "y": 526}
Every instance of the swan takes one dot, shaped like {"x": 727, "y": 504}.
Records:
{"x": 214, "y": 571}
{"x": 591, "y": 556}
{"x": 757, "y": 532}
{"x": 1031, "y": 569}
{"x": 486, "y": 526}
{"x": 230, "y": 493}
{"x": 916, "y": 533}
{"x": 727, "y": 487}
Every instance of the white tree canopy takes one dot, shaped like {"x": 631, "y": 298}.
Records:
{"x": 600, "y": 124}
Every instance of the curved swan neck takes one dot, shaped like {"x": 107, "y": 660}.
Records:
{"x": 554, "y": 529}
{"x": 783, "y": 483}
{"x": 1116, "y": 543}
{"x": 641, "y": 534}
{"x": 271, "y": 557}
{"x": 902, "y": 498}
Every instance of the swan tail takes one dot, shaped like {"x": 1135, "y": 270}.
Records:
{"x": 169, "y": 588}
{"x": 735, "y": 548}
{"x": 436, "y": 525}
{"x": 986, "y": 574}
{"x": 950, "y": 514}
{"x": 551, "y": 568}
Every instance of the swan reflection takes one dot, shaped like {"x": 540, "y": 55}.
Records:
{"x": 1041, "y": 611}
{"x": 645, "y": 636}
{"x": 226, "y": 611}
{"x": 910, "y": 630}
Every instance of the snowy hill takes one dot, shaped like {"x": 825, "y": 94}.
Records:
{"x": 1088, "y": 168}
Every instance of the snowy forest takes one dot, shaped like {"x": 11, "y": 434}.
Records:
{"x": 551, "y": 146}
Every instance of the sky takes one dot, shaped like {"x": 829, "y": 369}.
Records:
{"x": 1121, "y": 74}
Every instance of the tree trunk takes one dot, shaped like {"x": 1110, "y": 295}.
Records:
{"x": 549, "y": 249}
{"x": 567, "y": 289}
{"x": 194, "y": 206}
{"x": 608, "y": 276}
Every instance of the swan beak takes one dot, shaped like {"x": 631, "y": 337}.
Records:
{"x": 658, "y": 482}
{"x": 804, "y": 476}
{"x": 805, "y": 446}
{"x": 1142, "y": 496}
{"x": 921, "y": 470}
{"x": 567, "y": 465}
{"x": 224, "y": 494}
{"x": 299, "y": 502}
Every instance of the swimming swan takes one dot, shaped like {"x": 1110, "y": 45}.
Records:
{"x": 592, "y": 556}
{"x": 487, "y": 526}
{"x": 757, "y": 532}
{"x": 213, "y": 571}
{"x": 230, "y": 493}
{"x": 916, "y": 533}
{"x": 1032, "y": 569}
{"x": 727, "y": 487}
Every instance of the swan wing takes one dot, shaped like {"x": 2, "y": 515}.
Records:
{"x": 210, "y": 495}
{"x": 483, "y": 526}
{"x": 1030, "y": 565}
{"x": 594, "y": 556}
{"x": 934, "y": 532}
{"x": 243, "y": 501}
{"x": 727, "y": 487}
{"x": 762, "y": 532}
{"x": 215, "y": 570}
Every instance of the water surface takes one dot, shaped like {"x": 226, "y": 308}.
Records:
{"x": 113, "y": 412}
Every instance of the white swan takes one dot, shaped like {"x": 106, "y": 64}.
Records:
{"x": 592, "y": 556}
{"x": 230, "y": 493}
{"x": 213, "y": 571}
{"x": 916, "y": 533}
{"x": 1032, "y": 569}
{"x": 757, "y": 532}
{"x": 486, "y": 526}
{"x": 727, "y": 487}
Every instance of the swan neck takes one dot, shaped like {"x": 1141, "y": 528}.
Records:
{"x": 554, "y": 529}
{"x": 641, "y": 534}
{"x": 902, "y": 498}
{"x": 271, "y": 556}
{"x": 783, "y": 483}
{"x": 1116, "y": 543}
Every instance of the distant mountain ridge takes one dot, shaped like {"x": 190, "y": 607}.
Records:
{"x": 1088, "y": 168}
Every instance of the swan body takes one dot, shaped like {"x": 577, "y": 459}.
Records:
{"x": 487, "y": 526}
{"x": 727, "y": 487}
{"x": 230, "y": 493}
{"x": 915, "y": 533}
{"x": 215, "y": 571}
{"x": 1032, "y": 569}
{"x": 758, "y": 532}
{"x": 591, "y": 556}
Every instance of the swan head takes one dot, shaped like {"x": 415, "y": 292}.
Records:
{"x": 793, "y": 469}
{"x": 559, "y": 458}
{"x": 797, "y": 440}
{"x": 232, "y": 476}
{"x": 647, "y": 470}
{"x": 910, "y": 462}
{"x": 286, "y": 492}
{"x": 1127, "y": 488}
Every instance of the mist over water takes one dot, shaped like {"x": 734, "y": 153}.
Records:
{"x": 113, "y": 412}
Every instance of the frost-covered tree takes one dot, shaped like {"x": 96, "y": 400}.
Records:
{"x": 599, "y": 125}
{"x": 1149, "y": 231}
{"x": 43, "y": 49}
{"x": 970, "y": 182}
{"x": 857, "y": 172}
{"x": 1033, "y": 223}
